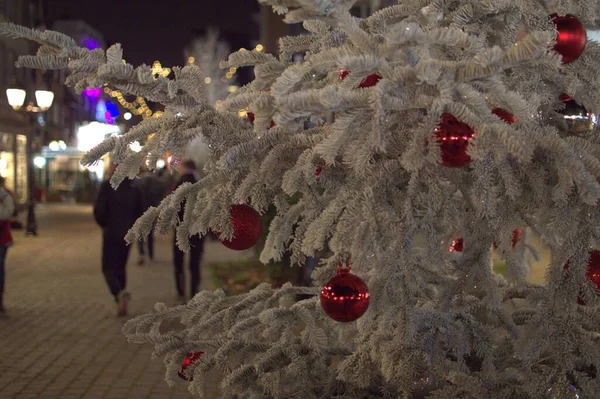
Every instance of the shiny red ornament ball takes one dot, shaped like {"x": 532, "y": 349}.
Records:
{"x": 457, "y": 245}
{"x": 251, "y": 118}
{"x": 187, "y": 361}
{"x": 345, "y": 297}
{"x": 247, "y": 228}
{"x": 593, "y": 272}
{"x": 319, "y": 170}
{"x": 516, "y": 236}
{"x": 370, "y": 81}
{"x": 565, "y": 98}
{"x": 571, "y": 38}
{"x": 505, "y": 115}
{"x": 454, "y": 137}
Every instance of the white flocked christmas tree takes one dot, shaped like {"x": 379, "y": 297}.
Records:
{"x": 450, "y": 126}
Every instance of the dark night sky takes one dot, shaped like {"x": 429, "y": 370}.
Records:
{"x": 159, "y": 30}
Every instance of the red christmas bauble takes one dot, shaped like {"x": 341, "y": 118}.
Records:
{"x": 571, "y": 38}
{"x": 247, "y": 228}
{"x": 457, "y": 245}
{"x": 505, "y": 115}
{"x": 565, "y": 98}
{"x": 345, "y": 297}
{"x": 251, "y": 118}
{"x": 593, "y": 272}
{"x": 515, "y": 238}
{"x": 370, "y": 81}
{"x": 319, "y": 170}
{"x": 187, "y": 361}
{"x": 454, "y": 137}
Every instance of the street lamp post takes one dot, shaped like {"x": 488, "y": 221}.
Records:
{"x": 44, "y": 99}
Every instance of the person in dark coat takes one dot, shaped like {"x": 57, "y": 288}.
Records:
{"x": 116, "y": 211}
{"x": 187, "y": 175}
{"x": 153, "y": 190}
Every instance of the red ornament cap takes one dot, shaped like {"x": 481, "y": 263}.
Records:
{"x": 187, "y": 361}
{"x": 454, "y": 137}
{"x": 571, "y": 38}
{"x": 345, "y": 297}
{"x": 344, "y": 73}
{"x": 505, "y": 115}
{"x": 247, "y": 228}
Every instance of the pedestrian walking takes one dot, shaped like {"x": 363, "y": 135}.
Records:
{"x": 116, "y": 211}
{"x": 187, "y": 175}
{"x": 7, "y": 209}
{"x": 153, "y": 189}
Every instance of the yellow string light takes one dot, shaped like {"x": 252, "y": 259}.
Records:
{"x": 259, "y": 47}
{"x": 158, "y": 71}
{"x": 191, "y": 60}
{"x": 136, "y": 107}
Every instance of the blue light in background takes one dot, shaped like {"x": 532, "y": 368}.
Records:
{"x": 112, "y": 109}
{"x": 90, "y": 43}
{"x": 101, "y": 111}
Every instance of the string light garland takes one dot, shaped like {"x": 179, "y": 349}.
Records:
{"x": 139, "y": 106}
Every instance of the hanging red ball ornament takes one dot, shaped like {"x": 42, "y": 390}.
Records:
{"x": 571, "y": 38}
{"x": 454, "y": 137}
{"x": 319, "y": 170}
{"x": 369, "y": 81}
{"x": 516, "y": 236}
{"x": 247, "y": 228}
{"x": 593, "y": 272}
{"x": 345, "y": 297}
{"x": 505, "y": 115}
{"x": 251, "y": 118}
{"x": 187, "y": 361}
{"x": 565, "y": 98}
{"x": 457, "y": 245}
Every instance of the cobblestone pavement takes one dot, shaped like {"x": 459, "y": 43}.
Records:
{"x": 61, "y": 338}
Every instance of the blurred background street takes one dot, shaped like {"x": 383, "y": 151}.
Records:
{"x": 61, "y": 338}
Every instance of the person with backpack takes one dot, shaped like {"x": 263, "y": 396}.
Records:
{"x": 7, "y": 209}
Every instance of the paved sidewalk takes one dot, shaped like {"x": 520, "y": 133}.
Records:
{"x": 61, "y": 339}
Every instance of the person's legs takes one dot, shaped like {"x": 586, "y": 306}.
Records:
{"x": 3, "y": 251}
{"x": 121, "y": 255}
{"x": 178, "y": 255}
{"x": 110, "y": 265}
{"x": 151, "y": 245}
{"x": 142, "y": 255}
{"x": 196, "y": 250}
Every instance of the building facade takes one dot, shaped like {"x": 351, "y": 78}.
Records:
{"x": 16, "y": 128}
